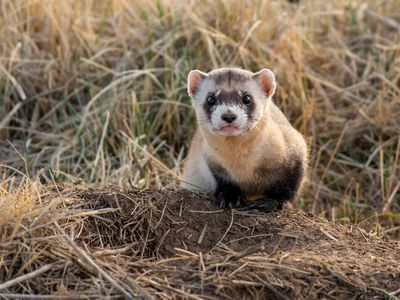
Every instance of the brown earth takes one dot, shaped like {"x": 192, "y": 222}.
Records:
{"x": 113, "y": 244}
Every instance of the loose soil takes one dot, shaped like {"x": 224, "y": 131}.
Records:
{"x": 179, "y": 245}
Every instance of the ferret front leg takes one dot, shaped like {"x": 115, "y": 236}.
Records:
{"x": 229, "y": 195}
{"x": 283, "y": 191}
{"x": 278, "y": 195}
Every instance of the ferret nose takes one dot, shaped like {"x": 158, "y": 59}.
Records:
{"x": 228, "y": 117}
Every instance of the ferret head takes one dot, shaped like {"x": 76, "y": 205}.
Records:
{"x": 230, "y": 101}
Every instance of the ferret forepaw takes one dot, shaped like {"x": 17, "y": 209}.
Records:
{"x": 227, "y": 199}
{"x": 267, "y": 205}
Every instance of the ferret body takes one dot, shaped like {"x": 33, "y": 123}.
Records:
{"x": 244, "y": 147}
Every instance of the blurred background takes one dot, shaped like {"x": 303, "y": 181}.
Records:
{"x": 94, "y": 92}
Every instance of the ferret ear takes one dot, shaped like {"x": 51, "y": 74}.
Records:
{"x": 266, "y": 79}
{"x": 195, "y": 78}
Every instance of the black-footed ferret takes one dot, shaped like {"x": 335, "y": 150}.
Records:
{"x": 244, "y": 149}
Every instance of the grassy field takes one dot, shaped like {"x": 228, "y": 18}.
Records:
{"x": 95, "y": 92}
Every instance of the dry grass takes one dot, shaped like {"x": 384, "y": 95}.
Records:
{"x": 95, "y": 91}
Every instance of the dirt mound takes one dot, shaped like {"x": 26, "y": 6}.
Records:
{"x": 114, "y": 244}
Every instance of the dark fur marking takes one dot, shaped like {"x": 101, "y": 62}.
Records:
{"x": 250, "y": 109}
{"x": 229, "y": 98}
{"x": 227, "y": 193}
{"x": 283, "y": 189}
{"x": 286, "y": 186}
{"x": 231, "y": 77}
{"x": 209, "y": 108}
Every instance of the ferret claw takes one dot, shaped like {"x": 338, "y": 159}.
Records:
{"x": 231, "y": 200}
{"x": 267, "y": 205}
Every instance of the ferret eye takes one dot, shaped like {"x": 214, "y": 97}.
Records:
{"x": 247, "y": 100}
{"x": 211, "y": 100}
